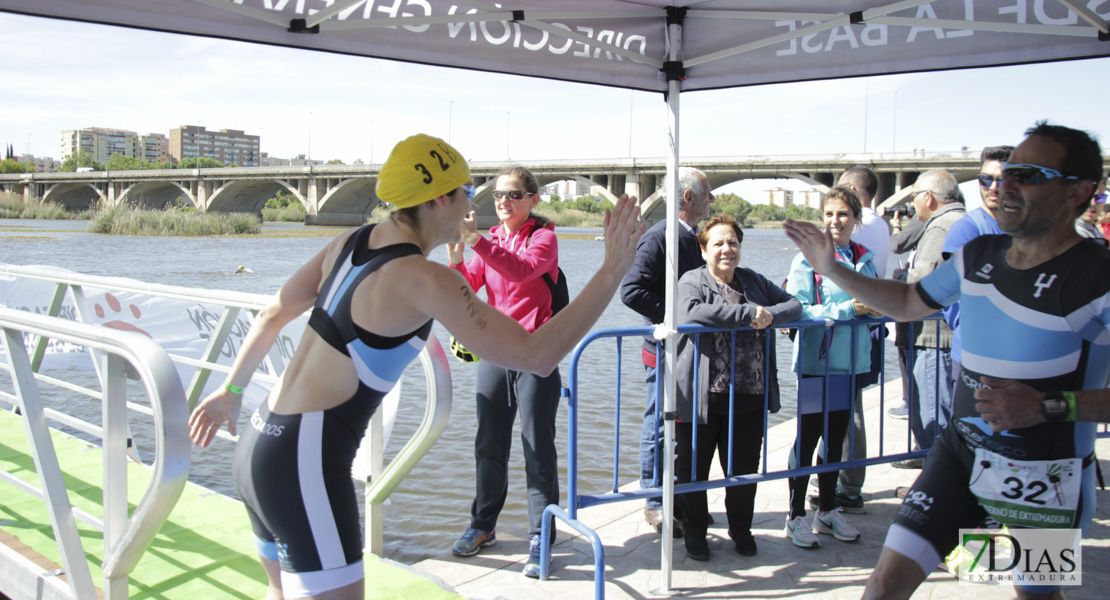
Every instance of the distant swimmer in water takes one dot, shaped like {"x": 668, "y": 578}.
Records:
{"x": 373, "y": 294}
{"x": 243, "y": 269}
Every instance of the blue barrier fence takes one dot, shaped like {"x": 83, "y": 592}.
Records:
{"x": 576, "y": 500}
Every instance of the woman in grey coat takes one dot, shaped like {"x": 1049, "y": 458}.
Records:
{"x": 723, "y": 295}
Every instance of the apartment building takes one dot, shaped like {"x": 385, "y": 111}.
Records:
{"x": 229, "y": 146}
{"x": 99, "y": 143}
{"x": 154, "y": 148}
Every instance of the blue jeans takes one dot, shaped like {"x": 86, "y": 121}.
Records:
{"x": 649, "y": 441}
{"x": 932, "y": 392}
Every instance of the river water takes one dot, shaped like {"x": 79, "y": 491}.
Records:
{"x": 431, "y": 507}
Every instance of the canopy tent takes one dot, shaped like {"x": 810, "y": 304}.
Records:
{"x": 625, "y": 43}
{"x": 651, "y": 45}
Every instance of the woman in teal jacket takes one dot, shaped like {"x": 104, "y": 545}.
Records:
{"x": 821, "y": 298}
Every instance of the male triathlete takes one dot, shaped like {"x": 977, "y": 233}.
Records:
{"x": 1036, "y": 319}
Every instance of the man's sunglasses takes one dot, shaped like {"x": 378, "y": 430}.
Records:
{"x": 988, "y": 180}
{"x": 469, "y": 189}
{"x": 1100, "y": 198}
{"x": 1026, "y": 174}
{"x": 514, "y": 195}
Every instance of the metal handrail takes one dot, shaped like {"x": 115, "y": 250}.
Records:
{"x": 383, "y": 480}
{"x": 126, "y": 538}
{"x": 437, "y": 411}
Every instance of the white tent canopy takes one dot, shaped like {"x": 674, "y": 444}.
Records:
{"x": 651, "y": 45}
{"x": 624, "y": 43}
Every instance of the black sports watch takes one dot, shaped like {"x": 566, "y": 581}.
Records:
{"x": 1055, "y": 407}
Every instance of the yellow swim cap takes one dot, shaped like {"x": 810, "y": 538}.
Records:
{"x": 419, "y": 169}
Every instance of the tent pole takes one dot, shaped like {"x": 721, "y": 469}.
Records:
{"x": 666, "y": 544}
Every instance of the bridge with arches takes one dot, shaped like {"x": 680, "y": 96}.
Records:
{"x": 344, "y": 194}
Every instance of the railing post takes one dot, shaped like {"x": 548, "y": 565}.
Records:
{"x": 50, "y": 472}
{"x": 211, "y": 352}
{"x": 114, "y": 450}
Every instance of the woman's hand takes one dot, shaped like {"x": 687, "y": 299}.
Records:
{"x": 468, "y": 232}
{"x": 206, "y": 419}
{"x": 455, "y": 252}
{"x": 762, "y": 318}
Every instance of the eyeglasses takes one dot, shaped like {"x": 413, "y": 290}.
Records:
{"x": 989, "y": 180}
{"x": 1100, "y": 198}
{"x": 469, "y": 189}
{"x": 514, "y": 195}
{"x": 1026, "y": 174}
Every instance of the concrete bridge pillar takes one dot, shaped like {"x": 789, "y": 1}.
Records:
{"x": 645, "y": 186}
{"x": 617, "y": 184}
{"x": 600, "y": 180}
{"x": 887, "y": 187}
{"x": 204, "y": 189}
{"x": 312, "y": 193}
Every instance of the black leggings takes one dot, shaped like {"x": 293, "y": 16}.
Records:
{"x": 812, "y": 430}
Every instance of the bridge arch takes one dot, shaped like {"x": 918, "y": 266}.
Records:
{"x": 653, "y": 208}
{"x": 75, "y": 196}
{"x": 352, "y": 196}
{"x": 249, "y": 195}
{"x": 487, "y": 212}
{"x": 154, "y": 195}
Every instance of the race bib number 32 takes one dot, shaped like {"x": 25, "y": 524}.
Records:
{"x": 1029, "y": 493}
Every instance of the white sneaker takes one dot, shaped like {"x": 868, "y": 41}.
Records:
{"x": 800, "y": 533}
{"x": 833, "y": 523}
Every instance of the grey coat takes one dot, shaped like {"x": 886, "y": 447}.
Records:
{"x": 700, "y": 303}
{"x": 926, "y": 260}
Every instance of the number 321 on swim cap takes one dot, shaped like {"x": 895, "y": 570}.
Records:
{"x": 419, "y": 169}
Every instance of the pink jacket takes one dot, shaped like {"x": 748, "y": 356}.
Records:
{"x": 511, "y": 266}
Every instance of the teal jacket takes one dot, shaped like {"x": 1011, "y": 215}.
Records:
{"x": 821, "y": 298}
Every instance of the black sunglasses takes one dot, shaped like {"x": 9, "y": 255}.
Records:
{"x": 1027, "y": 174}
{"x": 515, "y": 195}
{"x": 988, "y": 180}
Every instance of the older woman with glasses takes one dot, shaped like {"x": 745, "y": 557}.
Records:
{"x": 511, "y": 264}
{"x": 730, "y": 394}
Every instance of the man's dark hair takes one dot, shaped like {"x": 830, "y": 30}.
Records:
{"x": 863, "y": 177}
{"x": 1082, "y": 154}
{"x": 995, "y": 153}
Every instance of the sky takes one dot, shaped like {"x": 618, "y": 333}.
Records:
{"x": 63, "y": 75}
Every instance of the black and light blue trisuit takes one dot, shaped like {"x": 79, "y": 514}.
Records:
{"x": 1047, "y": 327}
{"x": 293, "y": 472}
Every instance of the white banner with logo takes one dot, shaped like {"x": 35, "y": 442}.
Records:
{"x": 182, "y": 327}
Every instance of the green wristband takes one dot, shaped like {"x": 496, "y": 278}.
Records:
{"x": 1070, "y": 397}
{"x": 234, "y": 389}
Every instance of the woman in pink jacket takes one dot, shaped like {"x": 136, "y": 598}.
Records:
{"x": 511, "y": 264}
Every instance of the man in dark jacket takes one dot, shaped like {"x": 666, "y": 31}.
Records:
{"x": 644, "y": 290}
